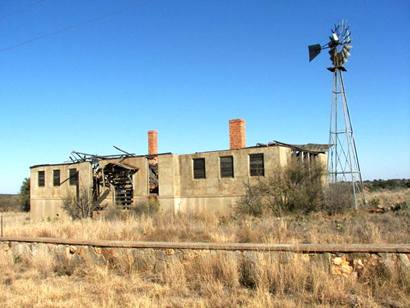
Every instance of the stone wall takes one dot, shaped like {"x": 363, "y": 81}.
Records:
{"x": 344, "y": 264}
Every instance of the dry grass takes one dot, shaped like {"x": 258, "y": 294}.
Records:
{"x": 15, "y": 218}
{"x": 9, "y": 203}
{"x": 352, "y": 227}
{"x": 202, "y": 279}
{"x": 198, "y": 279}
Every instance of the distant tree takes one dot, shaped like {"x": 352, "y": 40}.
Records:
{"x": 391, "y": 184}
{"x": 25, "y": 195}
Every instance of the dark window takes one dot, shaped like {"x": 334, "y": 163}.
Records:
{"x": 41, "y": 179}
{"x": 73, "y": 176}
{"x": 226, "y": 166}
{"x": 56, "y": 177}
{"x": 199, "y": 168}
{"x": 257, "y": 167}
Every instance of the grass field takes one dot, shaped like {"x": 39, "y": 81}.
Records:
{"x": 349, "y": 227}
{"x": 200, "y": 279}
{"x": 9, "y": 203}
{"x": 211, "y": 279}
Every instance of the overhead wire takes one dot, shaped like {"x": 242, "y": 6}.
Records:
{"x": 64, "y": 29}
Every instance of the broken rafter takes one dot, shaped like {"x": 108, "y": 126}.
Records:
{"x": 125, "y": 152}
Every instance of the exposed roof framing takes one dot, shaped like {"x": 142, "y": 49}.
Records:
{"x": 309, "y": 147}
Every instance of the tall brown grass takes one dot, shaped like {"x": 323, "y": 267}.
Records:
{"x": 351, "y": 227}
{"x": 199, "y": 279}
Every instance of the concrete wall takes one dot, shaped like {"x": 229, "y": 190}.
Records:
{"x": 180, "y": 191}
{"x": 47, "y": 201}
{"x": 169, "y": 182}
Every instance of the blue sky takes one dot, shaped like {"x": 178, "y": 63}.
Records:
{"x": 120, "y": 68}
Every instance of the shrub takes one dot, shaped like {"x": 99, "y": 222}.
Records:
{"x": 81, "y": 206}
{"x": 248, "y": 275}
{"x": 149, "y": 207}
{"x": 113, "y": 213}
{"x": 65, "y": 266}
{"x": 374, "y": 202}
{"x": 401, "y": 207}
{"x": 338, "y": 198}
{"x": 252, "y": 202}
{"x": 295, "y": 188}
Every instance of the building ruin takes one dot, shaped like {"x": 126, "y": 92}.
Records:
{"x": 211, "y": 180}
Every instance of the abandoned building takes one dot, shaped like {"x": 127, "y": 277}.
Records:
{"x": 203, "y": 180}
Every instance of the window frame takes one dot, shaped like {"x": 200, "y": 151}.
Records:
{"x": 195, "y": 169}
{"x": 73, "y": 178}
{"x": 56, "y": 182}
{"x": 41, "y": 180}
{"x": 221, "y": 170}
{"x": 260, "y": 165}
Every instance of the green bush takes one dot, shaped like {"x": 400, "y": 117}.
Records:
{"x": 295, "y": 188}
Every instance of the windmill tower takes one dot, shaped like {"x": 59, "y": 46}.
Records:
{"x": 343, "y": 162}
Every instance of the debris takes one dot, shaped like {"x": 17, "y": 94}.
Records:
{"x": 341, "y": 266}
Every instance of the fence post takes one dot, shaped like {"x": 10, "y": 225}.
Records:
{"x": 1, "y": 223}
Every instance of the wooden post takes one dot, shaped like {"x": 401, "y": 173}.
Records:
{"x": 1, "y": 223}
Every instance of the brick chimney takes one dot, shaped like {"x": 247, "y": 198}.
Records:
{"x": 152, "y": 142}
{"x": 237, "y": 134}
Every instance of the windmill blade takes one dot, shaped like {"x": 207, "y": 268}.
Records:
{"x": 314, "y": 50}
{"x": 346, "y": 37}
{"x": 344, "y": 24}
{"x": 347, "y": 47}
{"x": 345, "y": 53}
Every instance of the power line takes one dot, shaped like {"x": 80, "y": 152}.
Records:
{"x": 64, "y": 29}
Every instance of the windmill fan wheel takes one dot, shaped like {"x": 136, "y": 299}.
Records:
{"x": 340, "y": 44}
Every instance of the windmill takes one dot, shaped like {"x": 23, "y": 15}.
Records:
{"x": 343, "y": 162}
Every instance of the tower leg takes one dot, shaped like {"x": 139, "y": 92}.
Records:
{"x": 343, "y": 162}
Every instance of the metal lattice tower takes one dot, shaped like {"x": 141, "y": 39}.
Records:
{"x": 343, "y": 161}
